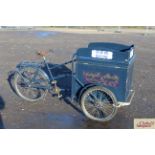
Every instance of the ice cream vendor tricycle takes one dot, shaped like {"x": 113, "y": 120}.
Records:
{"x": 101, "y": 79}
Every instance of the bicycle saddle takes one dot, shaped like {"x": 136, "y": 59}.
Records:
{"x": 42, "y": 53}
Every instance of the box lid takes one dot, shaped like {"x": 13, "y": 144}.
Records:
{"x": 110, "y": 46}
{"x": 102, "y": 56}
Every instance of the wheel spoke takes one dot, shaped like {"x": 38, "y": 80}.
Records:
{"x": 105, "y": 108}
{"x": 100, "y": 96}
{"x": 98, "y": 104}
{"x": 93, "y": 97}
{"x": 30, "y": 90}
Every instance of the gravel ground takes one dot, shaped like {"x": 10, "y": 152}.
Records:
{"x": 16, "y": 46}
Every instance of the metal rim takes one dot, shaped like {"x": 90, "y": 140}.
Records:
{"x": 98, "y": 103}
{"x": 24, "y": 88}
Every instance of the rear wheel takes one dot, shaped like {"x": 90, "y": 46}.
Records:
{"x": 27, "y": 84}
{"x": 98, "y": 103}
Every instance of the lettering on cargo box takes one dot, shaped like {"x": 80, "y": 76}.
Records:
{"x": 106, "y": 79}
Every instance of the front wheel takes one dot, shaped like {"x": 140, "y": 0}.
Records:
{"x": 98, "y": 104}
{"x": 27, "y": 84}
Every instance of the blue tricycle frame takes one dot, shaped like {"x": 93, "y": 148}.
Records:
{"x": 98, "y": 101}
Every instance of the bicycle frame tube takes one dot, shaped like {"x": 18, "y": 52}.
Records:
{"x": 48, "y": 87}
{"x": 65, "y": 63}
{"x": 48, "y": 68}
{"x": 49, "y": 76}
{"x": 56, "y": 66}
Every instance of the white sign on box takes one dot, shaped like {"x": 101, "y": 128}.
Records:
{"x": 102, "y": 54}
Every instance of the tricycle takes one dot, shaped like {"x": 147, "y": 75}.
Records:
{"x": 98, "y": 87}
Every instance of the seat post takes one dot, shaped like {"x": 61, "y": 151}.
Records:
{"x": 48, "y": 68}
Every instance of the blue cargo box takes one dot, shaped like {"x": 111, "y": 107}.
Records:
{"x": 107, "y": 64}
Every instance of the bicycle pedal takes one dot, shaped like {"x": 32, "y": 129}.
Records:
{"x": 60, "y": 96}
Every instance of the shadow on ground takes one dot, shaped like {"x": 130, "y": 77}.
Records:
{"x": 64, "y": 81}
{"x": 2, "y": 105}
{"x": 63, "y": 76}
